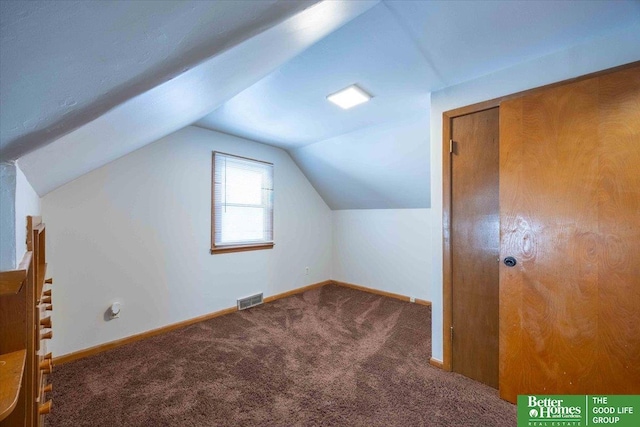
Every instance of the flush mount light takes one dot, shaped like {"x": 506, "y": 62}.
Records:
{"x": 349, "y": 97}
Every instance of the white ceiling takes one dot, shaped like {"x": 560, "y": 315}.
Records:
{"x": 64, "y": 63}
{"x": 381, "y": 166}
{"x": 289, "y": 109}
{"x": 183, "y": 99}
{"x": 400, "y": 51}
{"x": 92, "y": 81}
{"x": 463, "y": 40}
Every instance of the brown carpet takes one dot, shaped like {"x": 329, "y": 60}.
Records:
{"x": 328, "y": 357}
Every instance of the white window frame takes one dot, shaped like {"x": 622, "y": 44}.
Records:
{"x": 267, "y": 203}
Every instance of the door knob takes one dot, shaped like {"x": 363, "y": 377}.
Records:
{"x": 510, "y": 261}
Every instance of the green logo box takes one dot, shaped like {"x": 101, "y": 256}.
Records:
{"x": 578, "y": 410}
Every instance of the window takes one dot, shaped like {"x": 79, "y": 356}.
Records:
{"x": 242, "y": 204}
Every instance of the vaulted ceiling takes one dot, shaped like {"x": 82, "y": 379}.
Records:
{"x": 145, "y": 117}
{"x": 75, "y": 60}
{"x": 376, "y": 155}
{"x": 84, "y": 83}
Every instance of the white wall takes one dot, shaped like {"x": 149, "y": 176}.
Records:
{"x": 7, "y": 215}
{"x": 137, "y": 230}
{"x": 17, "y": 200}
{"x": 597, "y": 54}
{"x": 27, "y": 203}
{"x": 386, "y": 249}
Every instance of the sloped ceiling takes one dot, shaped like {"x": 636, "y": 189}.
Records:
{"x": 289, "y": 109}
{"x": 65, "y": 63}
{"x": 132, "y": 72}
{"x": 464, "y": 40}
{"x": 183, "y": 99}
{"x": 376, "y": 155}
{"x": 381, "y": 166}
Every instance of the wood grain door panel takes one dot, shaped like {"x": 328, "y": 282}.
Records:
{"x": 570, "y": 215}
{"x": 475, "y": 243}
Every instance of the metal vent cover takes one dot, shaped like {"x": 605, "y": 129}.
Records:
{"x": 250, "y": 301}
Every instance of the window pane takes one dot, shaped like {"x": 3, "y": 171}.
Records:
{"x": 243, "y": 186}
{"x": 242, "y": 224}
{"x": 243, "y": 201}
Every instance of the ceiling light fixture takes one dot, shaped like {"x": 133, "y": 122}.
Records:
{"x": 349, "y": 97}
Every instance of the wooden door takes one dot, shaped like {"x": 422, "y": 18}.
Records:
{"x": 475, "y": 243}
{"x": 570, "y": 215}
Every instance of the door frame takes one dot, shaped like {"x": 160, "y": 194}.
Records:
{"x": 447, "y": 268}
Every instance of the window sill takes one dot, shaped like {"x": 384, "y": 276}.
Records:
{"x": 240, "y": 248}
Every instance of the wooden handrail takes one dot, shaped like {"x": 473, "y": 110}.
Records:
{"x": 11, "y": 281}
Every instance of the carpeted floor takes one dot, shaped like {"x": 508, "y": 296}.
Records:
{"x": 328, "y": 357}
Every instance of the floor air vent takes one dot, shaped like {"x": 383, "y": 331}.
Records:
{"x": 248, "y": 302}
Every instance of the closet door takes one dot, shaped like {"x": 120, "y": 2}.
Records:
{"x": 570, "y": 217}
{"x": 475, "y": 245}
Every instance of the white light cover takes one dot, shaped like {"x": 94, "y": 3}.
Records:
{"x": 349, "y": 97}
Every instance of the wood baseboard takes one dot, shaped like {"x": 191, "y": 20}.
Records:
{"x": 297, "y": 291}
{"x": 80, "y": 354}
{"x": 378, "y": 292}
{"x": 435, "y": 362}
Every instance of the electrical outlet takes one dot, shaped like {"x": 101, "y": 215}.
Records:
{"x": 412, "y": 299}
{"x": 306, "y": 271}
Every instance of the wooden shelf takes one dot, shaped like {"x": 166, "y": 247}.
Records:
{"x": 11, "y": 281}
{"x": 11, "y": 372}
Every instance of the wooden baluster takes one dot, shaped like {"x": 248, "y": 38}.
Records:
{"x": 45, "y": 408}
{"x": 46, "y": 366}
